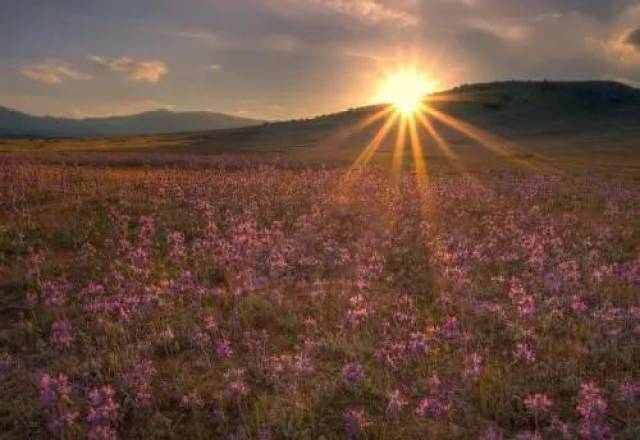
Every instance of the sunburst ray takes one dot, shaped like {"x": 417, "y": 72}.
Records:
{"x": 398, "y": 151}
{"x": 370, "y": 150}
{"x": 337, "y": 138}
{"x": 502, "y": 147}
{"x": 435, "y": 135}
{"x": 418, "y": 157}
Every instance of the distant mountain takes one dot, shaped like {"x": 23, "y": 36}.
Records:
{"x": 17, "y": 124}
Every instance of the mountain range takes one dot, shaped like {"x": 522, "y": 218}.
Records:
{"x": 17, "y": 124}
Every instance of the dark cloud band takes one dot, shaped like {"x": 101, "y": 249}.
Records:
{"x": 633, "y": 39}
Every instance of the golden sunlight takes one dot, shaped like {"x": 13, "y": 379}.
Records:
{"x": 405, "y": 90}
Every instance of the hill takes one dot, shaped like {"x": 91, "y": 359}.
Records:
{"x": 572, "y": 124}
{"x": 17, "y": 124}
{"x": 536, "y": 112}
{"x": 547, "y": 107}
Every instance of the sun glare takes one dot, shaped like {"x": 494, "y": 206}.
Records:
{"x": 405, "y": 90}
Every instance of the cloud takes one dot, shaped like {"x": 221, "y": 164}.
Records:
{"x": 367, "y": 11}
{"x": 201, "y": 35}
{"x": 623, "y": 43}
{"x": 282, "y": 43}
{"x": 633, "y": 39}
{"x": 624, "y": 47}
{"x": 499, "y": 30}
{"x": 52, "y": 72}
{"x": 150, "y": 71}
{"x": 269, "y": 41}
{"x": 214, "y": 67}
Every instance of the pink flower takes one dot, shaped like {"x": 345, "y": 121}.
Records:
{"x": 55, "y": 397}
{"x": 450, "y": 328}
{"x": 538, "y": 404}
{"x": 355, "y": 423}
{"x": 102, "y": 405}
{"x": 631, "y": 391}
{"x": 139, "y": 380}
{"x": 352, "y": 373}
{"x": 236, "y": 386}
{"x": 528, "y": 435}
{"x": 32, "y": 297}
{"x": 54, "y": 293}
{"x": 223, "y": 348}
{"x": 491, "y": 434}
{"x": 61, "y": 336}
{"x": 473, "y": 366}
{"x": 431, "y": 407}
{"x": 524, "y": 353}
{"x": 103, "y": 414}
{"x": 592, "y": 408}
{"x": 396, "y": 402}
{"x": 177, "y": 249}
{"x": 192, "y": 400}
{"x": 577, "y": 305}
{"x": 209, "y": 323}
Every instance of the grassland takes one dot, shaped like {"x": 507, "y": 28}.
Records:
{"x": 233, "y": 297}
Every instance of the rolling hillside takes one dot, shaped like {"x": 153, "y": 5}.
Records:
{"x": 543, "y": 112}
{"x": 570, "y": 122}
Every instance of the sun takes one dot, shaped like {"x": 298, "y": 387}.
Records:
{"x": 405, "y": 89}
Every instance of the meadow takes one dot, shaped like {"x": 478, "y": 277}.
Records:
{"x": 229, "y": 298}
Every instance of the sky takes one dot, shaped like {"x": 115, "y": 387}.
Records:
{"x": 280, "y": 59}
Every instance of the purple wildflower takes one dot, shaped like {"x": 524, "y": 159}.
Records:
{"x": 396, "y": 402}
{"x": 61, "y": 334}
{"x": 103, "y": 414}
{"x": 355, "y": 423}
{"x": 631, "y": 391}
{"x": 592, "y": 408}
{"x": 352, "y": 373}
{"x": 431, "y": 407}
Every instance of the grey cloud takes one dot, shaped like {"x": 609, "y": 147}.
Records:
{"x": 633, "y": 39}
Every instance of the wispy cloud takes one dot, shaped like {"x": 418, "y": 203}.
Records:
{"x": 214, "y": 67}
{"x": 150, "y": 71}
{"x": 52, "y": 72}
{"x": 201, "y": 35}
{"x": 511, "y": 32}
{"x": 367, "y": 11}
{"x": 273, "y": 42}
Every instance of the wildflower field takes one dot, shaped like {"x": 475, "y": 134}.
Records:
{"x": 243, "y": 301}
